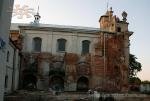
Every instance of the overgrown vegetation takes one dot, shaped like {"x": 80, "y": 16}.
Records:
{"x": 134, "y": 66}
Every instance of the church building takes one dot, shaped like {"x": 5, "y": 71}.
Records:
{"x": 75, "y": 58}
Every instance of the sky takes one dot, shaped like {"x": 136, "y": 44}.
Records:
{"x": 87, "y": 13}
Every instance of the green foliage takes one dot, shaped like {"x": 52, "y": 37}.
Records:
{"x": 134, "y": 80}
{"x": 134, "y": 66}
{"x": 134, "y": 84}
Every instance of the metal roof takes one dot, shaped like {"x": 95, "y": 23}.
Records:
{"x": 53, "y": 27}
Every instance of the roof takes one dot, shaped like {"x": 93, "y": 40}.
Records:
{"x": 53, "y": 27}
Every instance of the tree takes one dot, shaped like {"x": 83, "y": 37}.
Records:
{"x": 134, "y": 66}
{"x": 134, "y": 83}
{"x": 135, "y": 80}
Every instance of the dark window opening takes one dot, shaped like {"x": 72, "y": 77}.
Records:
{"x": 7, "y": 56}
{"x": 61, "y": 44}
{"x": 57, "y": 83}
{"x": 118, "y": 29}
{"x": 82, "y": 84}
{"x": 85, "y": 46}
{"x": 37, "y": 44}
{"x": 6, "y": 81}
{"x": 116, "y": 70}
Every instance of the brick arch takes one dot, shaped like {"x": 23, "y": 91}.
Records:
{"x": 83, "y": 84}
{"x": 57, "y": 83}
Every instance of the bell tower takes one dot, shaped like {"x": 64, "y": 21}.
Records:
{"x": 111, "y": 23}
{"x": 116, "y": 49}
{"x": 107, "y": 21}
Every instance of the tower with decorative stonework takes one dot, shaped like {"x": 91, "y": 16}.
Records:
{"x": 110, "y": 61}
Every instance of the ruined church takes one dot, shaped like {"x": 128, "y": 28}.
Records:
{"x": 74, "y": 58}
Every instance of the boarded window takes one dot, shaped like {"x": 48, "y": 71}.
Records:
{"x": 37, "y": 44}
{"x": 61, "y": 44}
{"x": 85, "y": 46}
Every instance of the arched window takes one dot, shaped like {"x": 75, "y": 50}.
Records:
{"x": 37, "y": 42}
{"x": 85, "y": 46}
{"x": 61, "y": 45}
{"x": 82, "y": 84}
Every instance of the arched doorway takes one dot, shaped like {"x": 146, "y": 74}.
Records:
{"x": 82, "y": 84}
{"x": 57, "y": 83}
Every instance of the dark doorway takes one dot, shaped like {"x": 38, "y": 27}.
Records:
{"x": 82, "y": 84}
{"x": 57, "y": 83}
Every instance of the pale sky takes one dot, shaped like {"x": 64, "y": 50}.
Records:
{"x": 87, "y": 13}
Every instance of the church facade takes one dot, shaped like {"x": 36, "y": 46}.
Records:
{"x": 74, "y": 58}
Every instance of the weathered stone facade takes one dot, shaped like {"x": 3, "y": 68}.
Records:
{"x": 103, "y": 68}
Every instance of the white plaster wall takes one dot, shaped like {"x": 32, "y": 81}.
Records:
{"x": 11, "y": 54}
{"x": 5, "y": 19}
{"x": 49, "y": 41}
{"x": 59, "y": 35}
{"x": 81, "y": 38}
{"x": 16, "y": 72}
{"x": 9, "y": 82}
{"x": 13, "y": 61}
{"x": 9, "y": 68}
{"x": 28, "y": 40}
